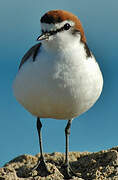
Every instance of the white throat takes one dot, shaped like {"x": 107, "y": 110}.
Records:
{"x": 61, "y": 41}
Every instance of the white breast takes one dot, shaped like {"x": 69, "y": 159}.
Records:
{"x": 61, "y": 85}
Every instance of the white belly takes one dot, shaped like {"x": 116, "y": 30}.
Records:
{"x": 55, "y": 88}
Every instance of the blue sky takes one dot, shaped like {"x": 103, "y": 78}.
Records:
{"x": 19, "y": 28}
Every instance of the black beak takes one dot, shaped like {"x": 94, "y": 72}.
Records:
{"x": 44, "y": 36}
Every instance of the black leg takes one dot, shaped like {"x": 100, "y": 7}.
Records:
{"x": 39, "y": 126}
{"x": 41, "y": 165}
{"x": 67, "y": 169}
{"x": 67, "y": 133}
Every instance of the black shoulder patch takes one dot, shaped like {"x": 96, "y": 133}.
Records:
{"x": 31, "y": 52}
{"x": 88, "y": 52}
{"x": 36, "y": 51}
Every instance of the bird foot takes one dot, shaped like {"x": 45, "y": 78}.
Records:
{"x": 68, "y": 172}
{"x": 41, "y": 168}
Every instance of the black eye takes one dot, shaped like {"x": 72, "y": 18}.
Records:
{"x": 67, "y": 26}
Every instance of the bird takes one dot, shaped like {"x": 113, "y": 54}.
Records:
{"x": 58, "y": 77}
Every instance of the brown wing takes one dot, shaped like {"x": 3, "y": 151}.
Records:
{"x": 31, "y": 52}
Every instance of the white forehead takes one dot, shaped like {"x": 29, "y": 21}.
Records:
{"x": 54, "y": 27}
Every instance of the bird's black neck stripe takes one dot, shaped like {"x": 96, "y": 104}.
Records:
{"x": 88, "y": 52}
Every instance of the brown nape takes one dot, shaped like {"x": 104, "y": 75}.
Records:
{"x": 57, "y": 16}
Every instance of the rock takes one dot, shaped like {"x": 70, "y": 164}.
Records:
{"x": 101, "y": 165}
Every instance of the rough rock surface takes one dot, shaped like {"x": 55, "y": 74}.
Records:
{"x": 101, "y": 165}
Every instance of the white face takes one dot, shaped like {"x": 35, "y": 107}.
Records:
{"x": 59, "y": 34}
{"x": 54, "y": 27}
